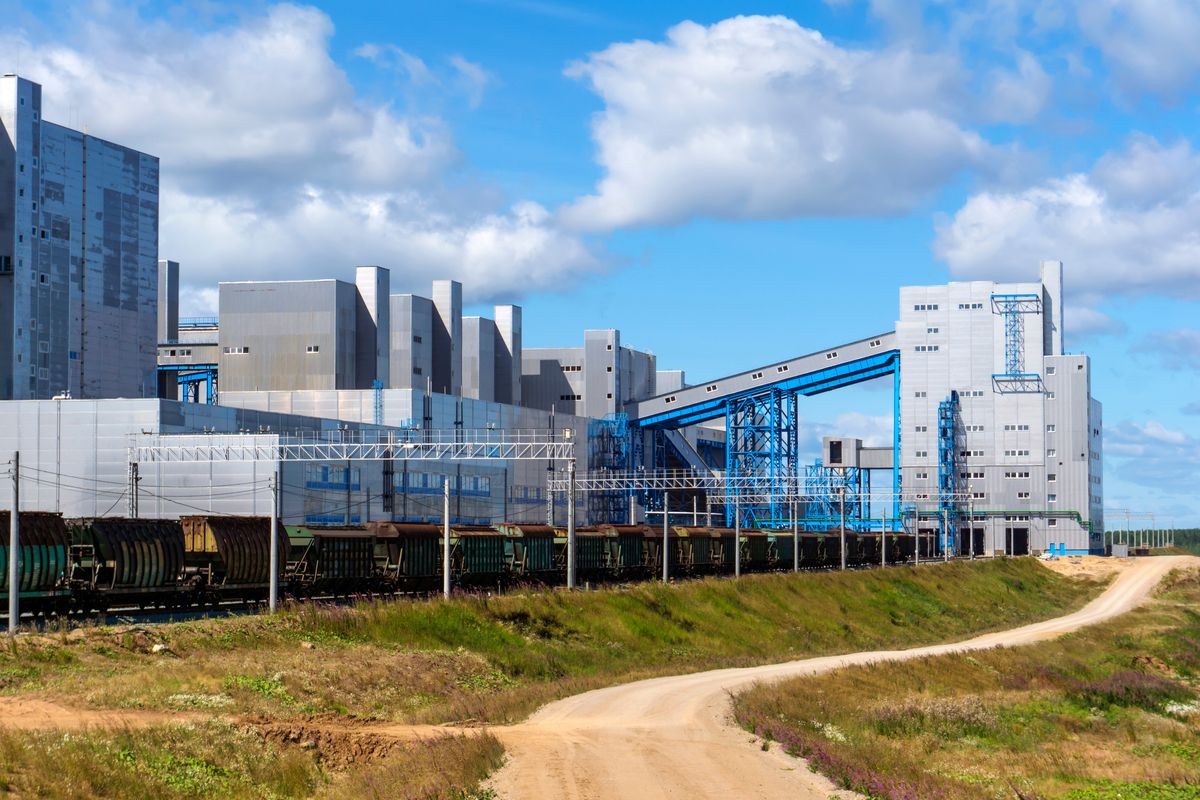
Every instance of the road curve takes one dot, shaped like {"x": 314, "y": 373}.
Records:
{"x": 671, "y": 738}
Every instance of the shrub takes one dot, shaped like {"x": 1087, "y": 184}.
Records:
{"x": 1129, "y": 688}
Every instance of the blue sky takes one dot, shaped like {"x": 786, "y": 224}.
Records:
{"x": 727, "y": 183}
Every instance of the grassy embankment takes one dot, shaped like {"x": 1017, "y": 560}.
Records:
{"x": 474, "y": 659}
{"x": 1106, "y": 713}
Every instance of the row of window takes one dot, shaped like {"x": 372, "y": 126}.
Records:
{"x": 241, "y": 351}
{"x": 1020, "y": 427}
{"x": 570, "y": 397}
{"x": 925, "y": 307}
{"x": 572, "y": 368}
{"x": 926, "y": 348}
{"x": 970, "y": 306}
{"x": 1016, "y": 453}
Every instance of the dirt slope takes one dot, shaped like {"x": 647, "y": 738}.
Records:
{"x": 670, "y": 737}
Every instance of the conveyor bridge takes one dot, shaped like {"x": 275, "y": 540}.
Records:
{"x": 759, "y": 409}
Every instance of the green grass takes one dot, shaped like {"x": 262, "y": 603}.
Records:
{"x": 1109, "y": 712}
{"x": 488, "y": 659}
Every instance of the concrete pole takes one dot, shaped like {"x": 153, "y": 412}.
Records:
{"x": 842, "y": 511}
{"x": 273, "y": 592}
{"x": 883, "y": 542}
{"x": 571, "y": 524}
{"x": 14, "y": 548}
{"x": 666, "y": 539}
{"x": 695, "y": 512}
{"x": 632, "y": 510}
{"x": 737, "y": 537}
{"x": 795, "y": 539}
{"x": 446, "y": 537}
{"x": 945, "y": 535}
{"x": 917, "y": 534}
{"x": 971, "y": 524}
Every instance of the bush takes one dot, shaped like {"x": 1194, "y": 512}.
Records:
{"x": 1130, "y": 689}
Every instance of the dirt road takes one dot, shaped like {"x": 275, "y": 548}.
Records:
{"x": 670, "y": 737}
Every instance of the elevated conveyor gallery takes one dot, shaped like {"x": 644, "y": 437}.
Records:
{"x": 759, "y": 409}
{"x": 815, "y": 373}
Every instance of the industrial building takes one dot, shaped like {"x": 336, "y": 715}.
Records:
{"x": 78, "y": 258}
{"x": 997, "y": 443}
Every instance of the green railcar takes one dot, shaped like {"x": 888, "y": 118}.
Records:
{"x": 138, "y": 560}
{"x": 44, "y": 557}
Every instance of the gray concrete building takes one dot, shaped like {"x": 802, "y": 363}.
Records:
{"x": 447, "y": 337}
{"x": 507, "y": 349}
{"x": 479, "y": 358}
{"x": 372, "y": 326}
{"x": 412, "y": 342}
{"x": 168, "y": 300}
{"x": 78, "y": 257}
{"x": 1027, "y": 453}
{"x": 595, "y": 380}
{"x": 289, "y": 335}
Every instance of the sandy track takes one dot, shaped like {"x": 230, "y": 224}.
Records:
{"x": 671, "y": 738}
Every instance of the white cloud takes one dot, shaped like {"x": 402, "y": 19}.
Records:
{"x": 1081, "y": 320}
{"x": 1151, "y": 455}
{"x": 1177, "y": 349}
{"x": 273, "y": 165}
{"x": 757, "y": 117}
{"x": 1149, "y": 45}
{"x": 473, "y": 78}
{"x": 1017, "y": 96}
{"x": 1130, "y": 225}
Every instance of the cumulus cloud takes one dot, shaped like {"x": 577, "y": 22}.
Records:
{"x": 274, "y": 166}
{"x": 1153, "y": 455}
{"x": 1081, "y": 320}
{"x": 1017, "y": 95}
{"x": 1149, "y": 45}
{"x": 757, "y": 117}
{"x": 1131, "y": 225}
{"x": 1178, "y": 349}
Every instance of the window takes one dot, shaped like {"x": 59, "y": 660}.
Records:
{"x": 1051, "y": 370}
{"x": 1051, "y": 498}
{"x": 1051, "y": 453}
{"x": 712, "y": 387}
{"x": 876, "y": 342}
{"x": 608, "y": 369}
{"x": 1022, "y": 495}
{"x": 570, "y": 397}
{"x": 921, "y": 428}
{"x": 782, "y": 368}
{"x": 609, "y": 347}
{"x": 920, "y": 394}
{"x": 416, "y": 339}
{"x": 1052, "y": 523}
{"x": 234, "y": 351}
{"x": 1016, "y": 427}
{"x": 922, "y": 476}
{"x": 313, "y": 348}
{"x": 43, "y": 278}
{"x": 931, "y": 330}
{"x": 978, "y": 495}
{"x": 1052, "y": 477}
{"x": 832, "y": 354}
{"x": 1013, "y": 474}
{"x": 756, "y": 376}
{"x": 975, "y": 428}
{"x": 1049, "y": 395}
{"x": 610, "y": 395}
{"x": 416, "y": 370}
{"x": 922, "y": 454}
{"x": 1049, "y": 429}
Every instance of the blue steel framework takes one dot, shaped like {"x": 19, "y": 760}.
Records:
{"x": 761, "y": 435}
{"x": 193, "y": 377}
{"x": 831, "y": 487}
{"x": 760, "y": 442}
{"x": 609, "y": 448}
{"x": 1014, "y": 307}
{"x": 949, "y": 425}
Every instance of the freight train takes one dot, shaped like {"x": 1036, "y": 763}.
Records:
{"x": 87, "y": 566}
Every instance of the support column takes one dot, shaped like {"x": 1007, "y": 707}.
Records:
{"x": 273, "y": 592}
{"x": 14, "y": 548}
{"x": 666, "y": 559}
{"x": 571, "y": 524}
{"x": 446, "y": 537}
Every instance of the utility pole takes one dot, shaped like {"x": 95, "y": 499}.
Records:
{"x": 273, "y": 593}
{"x": 571, "y": 523}
{"x": 945, "y": 535}
{"x": 134, "y": 480}
{"x": 842, "y": 512}
{"x": 971, "y": 520}
{"x": 917, "y": 534}
{"x": 795, "y": 539}
{"x": 666, "y": 540}
{"x": 446, "y": 537}
{"x": 883, "y": 531}
{"x": 14, "y": 548}
{"x": 737, "y": 537}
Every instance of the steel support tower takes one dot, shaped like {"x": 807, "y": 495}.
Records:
{"x": 760, "y": 433}
{"x": 949, "y": 440}
{"x": 608, "y": 450}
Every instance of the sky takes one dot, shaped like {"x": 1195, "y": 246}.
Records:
{"x": 728, "y": 183}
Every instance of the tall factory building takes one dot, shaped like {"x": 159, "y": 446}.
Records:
{"x": 447, "y": 337}
{"x": 994, "y": 411}
{"x": 78, "y": 258}
{"x": 595, "y": 380}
